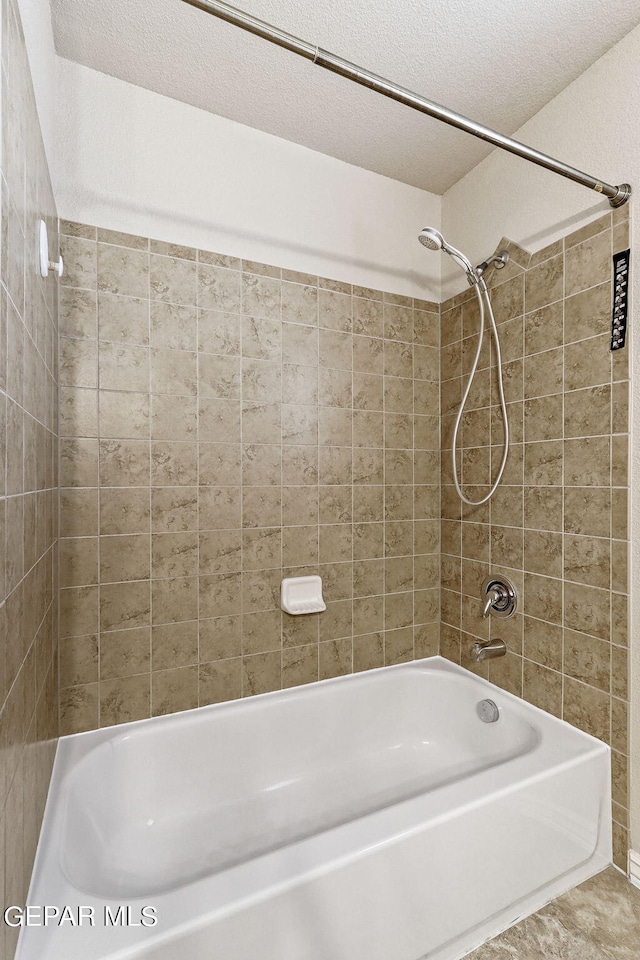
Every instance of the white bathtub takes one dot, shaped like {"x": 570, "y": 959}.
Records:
{"x": 371, "y": 817}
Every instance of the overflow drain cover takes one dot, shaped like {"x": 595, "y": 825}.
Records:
{"x": 488, "y": 711}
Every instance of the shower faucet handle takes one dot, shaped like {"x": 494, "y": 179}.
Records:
{"x": 493, "y": 596}
{"x": 498, "y": 596}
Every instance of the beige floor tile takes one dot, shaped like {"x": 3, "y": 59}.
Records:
{"x": 538, "y": 937}
{"x": 606, "y": 910}
{"x": 599, "y": 920}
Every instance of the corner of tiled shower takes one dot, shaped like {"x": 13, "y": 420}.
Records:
{"x": 288, "y": 428}
{"x": 557, "y": 526}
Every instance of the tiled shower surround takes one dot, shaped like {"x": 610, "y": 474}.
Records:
{"x": 28, "y": 480}
{"x": 225, "y": 424}
{"x": 557, "y": 526}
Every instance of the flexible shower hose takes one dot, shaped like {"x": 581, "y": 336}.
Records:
{"x": 483, "y": 297}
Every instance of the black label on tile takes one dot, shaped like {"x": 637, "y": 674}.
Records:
{"x": 621, "y": 266}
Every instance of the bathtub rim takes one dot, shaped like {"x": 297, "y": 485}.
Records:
{"x": 75, "y": 743}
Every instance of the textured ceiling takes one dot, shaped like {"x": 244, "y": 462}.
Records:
{"x": 495, "y": 62}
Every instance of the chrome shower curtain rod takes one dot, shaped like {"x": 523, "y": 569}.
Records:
{"x": 617, "y": 195}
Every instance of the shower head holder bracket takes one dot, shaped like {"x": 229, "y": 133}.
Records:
{"x": 499, "y": 260}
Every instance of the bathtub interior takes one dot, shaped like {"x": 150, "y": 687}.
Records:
{"x": 505, "y": 817}
{"x": 191, "y": 802}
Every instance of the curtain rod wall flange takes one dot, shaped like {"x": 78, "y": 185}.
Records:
{"x": 617, "y": 195}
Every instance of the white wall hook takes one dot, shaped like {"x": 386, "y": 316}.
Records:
{"x": 46, "y": 264}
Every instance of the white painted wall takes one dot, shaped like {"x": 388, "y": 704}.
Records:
{"x": 133, "y": 160}
{"x": 38, "y": 35}
{"x": 594, "y": 124}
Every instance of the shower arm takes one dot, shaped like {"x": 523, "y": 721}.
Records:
{"x": 617, "y": 195}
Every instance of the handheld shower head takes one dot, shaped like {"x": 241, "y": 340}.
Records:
{"x": 432, "y": 239}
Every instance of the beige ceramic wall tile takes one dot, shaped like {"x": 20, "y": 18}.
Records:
{"x": 122, "y": 319}
{"x": 174, "y": 645}
{"x": 175, "y": 327}
{"x": 544, "y": 284}
{"x": 588, "y": 263}
{"x": 124, "y": 699}
{"x": 121, "y": 239}
{"x": 125, "y": 653}
{"x": 219, "y": 681}
{"x": 29, "y": 468}
{"x": 122, "y": 271}
{"x": 174, "y": 689}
